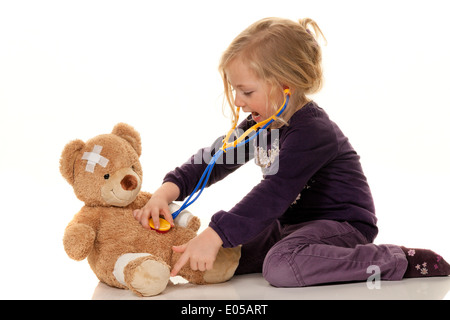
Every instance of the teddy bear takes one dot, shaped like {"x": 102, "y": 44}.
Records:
{"x": 106, "y": 174}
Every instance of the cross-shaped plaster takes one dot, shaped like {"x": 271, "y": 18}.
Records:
{"x": 94, "y": 158}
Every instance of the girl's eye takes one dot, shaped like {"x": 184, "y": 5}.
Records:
{"x": 247, "y": 93}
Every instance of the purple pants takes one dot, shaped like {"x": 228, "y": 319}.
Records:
{"x": 317, "y": 252}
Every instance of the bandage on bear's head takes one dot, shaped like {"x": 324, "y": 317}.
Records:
{"x": 93, "y": 158}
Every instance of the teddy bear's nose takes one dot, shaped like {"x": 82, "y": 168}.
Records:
{"x": 129, "y": 182}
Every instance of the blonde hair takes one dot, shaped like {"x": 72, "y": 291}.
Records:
{"x": 282, "y": 52}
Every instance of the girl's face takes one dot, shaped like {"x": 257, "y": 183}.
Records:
{"x": 251, "y": 92}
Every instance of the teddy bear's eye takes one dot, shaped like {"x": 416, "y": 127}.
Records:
{"x": 106, "y": 176}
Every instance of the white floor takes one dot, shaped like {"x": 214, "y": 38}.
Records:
{"x": 254, "y": 287}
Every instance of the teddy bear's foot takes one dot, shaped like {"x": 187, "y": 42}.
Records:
{"x": 147, "y": 278}
{"x": 226, "y": 263}
{"x": 144, "y": 274}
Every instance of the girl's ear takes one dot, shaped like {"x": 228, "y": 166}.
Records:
{"x": 67, "y": 160}
{"x": 127, "y": 132}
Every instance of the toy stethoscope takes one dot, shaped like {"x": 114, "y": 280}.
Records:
{"x": 225, "y": 147}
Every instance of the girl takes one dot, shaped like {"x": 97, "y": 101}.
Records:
{"x": 311, "y": 220}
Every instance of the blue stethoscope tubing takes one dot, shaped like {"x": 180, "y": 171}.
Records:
{"x": 206, "y": 174}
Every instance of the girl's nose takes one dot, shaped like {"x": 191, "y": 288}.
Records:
{"x": 238, "y": 102}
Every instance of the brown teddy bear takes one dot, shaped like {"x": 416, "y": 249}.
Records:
{"x": 106, "y": 175}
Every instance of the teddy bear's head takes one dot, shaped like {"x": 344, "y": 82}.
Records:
{"x": 105, "y": 170}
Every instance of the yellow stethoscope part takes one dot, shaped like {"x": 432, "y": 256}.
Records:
{"x": 164, "y": 225}
{"x": 254, "y": 128}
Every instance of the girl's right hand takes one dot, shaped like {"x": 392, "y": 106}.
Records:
{"x": 157, "y": 206}
{"x": 153, "y": 209}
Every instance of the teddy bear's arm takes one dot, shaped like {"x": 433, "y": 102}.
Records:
{"x": 80, "y": 234}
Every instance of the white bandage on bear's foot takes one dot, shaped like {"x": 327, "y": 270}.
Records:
{"x": 183, "y": 218}
{"x": 122, "y": 262}
{"x": 142, "y": 273}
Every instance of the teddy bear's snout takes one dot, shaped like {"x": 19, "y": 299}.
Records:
{"x": 129, "y": 182}
{"x": 121, "y": 188}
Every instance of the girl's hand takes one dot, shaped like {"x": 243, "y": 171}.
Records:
{"x": 158, "y": 205}
{"x": 154, "y": 208}
{"x": 200, "y": 251}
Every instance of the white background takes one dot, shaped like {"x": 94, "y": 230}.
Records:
{"x": 73, "y": 69}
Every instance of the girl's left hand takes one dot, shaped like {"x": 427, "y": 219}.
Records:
{"x": 200, "y": 251}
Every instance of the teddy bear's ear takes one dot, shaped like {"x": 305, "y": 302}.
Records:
{"x": 67, "y": 160}
{"x": 128, "y": 133}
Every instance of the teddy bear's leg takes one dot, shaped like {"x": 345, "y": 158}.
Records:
{"x": 143, "y": 273}
{"x": 226, "y": 263}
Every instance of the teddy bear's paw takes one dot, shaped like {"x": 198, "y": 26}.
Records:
{"x": 185, "y": 218}
{"x": 193, "y": 224}
{"x": 147, "y": 276}
{"x": 78, "y": 240}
